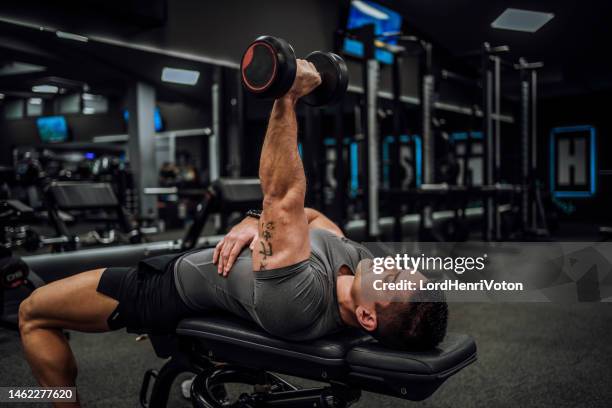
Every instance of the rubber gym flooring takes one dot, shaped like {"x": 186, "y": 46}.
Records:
{"x": 537, "y": 355}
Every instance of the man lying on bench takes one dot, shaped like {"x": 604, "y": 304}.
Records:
{"x": 299, "y": 281}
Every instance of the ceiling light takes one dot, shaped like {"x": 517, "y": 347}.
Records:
{"x": 371, "y": 11}
{"x": 521, "y": 20}
{"x": 180, "y": 76}
{"x": 91, "y": 97}
{"x": 35, "y": 101}
{"x": 71, "y": 36}
{"x": 15, "y": 68}
{"x": 1, "y": 96}
{"x": 45, "y": 88}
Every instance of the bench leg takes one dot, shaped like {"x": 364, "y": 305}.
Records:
{"x": 163, "y": 381}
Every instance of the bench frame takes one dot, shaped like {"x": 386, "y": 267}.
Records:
{"x": 186, "y": 355}
{"x": 217, "y": 358}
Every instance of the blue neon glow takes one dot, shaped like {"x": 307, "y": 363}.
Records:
{"x": 418, "y": 157}
{"x": 355, "y": 48}
{"x": 52, "y": 129}
{"x": 385, "y": 20}
{"x": 330, "y": 141}
{"x": 157, "y": 119}
{"x": 385, "y": 158}
{"x": 463, "y": 135}
{"x": 90, "y": 155}
{"x": 593, "y": 162}
{"x": 354, "y": 159}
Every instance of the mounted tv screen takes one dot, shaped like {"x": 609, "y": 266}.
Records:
{"x": 52, "y": 129}
{"x": 363, "y": 12}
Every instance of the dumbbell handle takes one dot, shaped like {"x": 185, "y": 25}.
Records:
{"x": 55, "y": 240}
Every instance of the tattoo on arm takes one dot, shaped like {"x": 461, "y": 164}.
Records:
{"x": 266, "y": 245}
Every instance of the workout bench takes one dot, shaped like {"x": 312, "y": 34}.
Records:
{"x": 224, "y": 349}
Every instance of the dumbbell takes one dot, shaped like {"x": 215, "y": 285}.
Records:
{"x": 268, "y": 68}
{"x": 13, "y": 272}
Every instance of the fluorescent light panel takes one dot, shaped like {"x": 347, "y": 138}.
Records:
{"x": 35, "y": 101}
{"x": 71, "y": 36}
{"x": 180, "y": 76}
{"x": 15, "y": 68}
{"x": 521, "y": 20}
{"x": 45, "y": 88}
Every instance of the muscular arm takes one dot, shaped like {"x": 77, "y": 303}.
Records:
{"x": 283, "y": 227}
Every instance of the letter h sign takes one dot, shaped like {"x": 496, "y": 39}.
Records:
{"x": 573, "y": 161}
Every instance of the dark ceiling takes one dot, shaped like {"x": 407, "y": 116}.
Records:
{"x": 574, "y": 45}
{"x": 102, "y": 67}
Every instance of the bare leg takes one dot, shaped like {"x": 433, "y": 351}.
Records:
{"x": 72, "y": 303}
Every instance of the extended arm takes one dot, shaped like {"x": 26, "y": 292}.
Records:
{"x": 283, "y": 227}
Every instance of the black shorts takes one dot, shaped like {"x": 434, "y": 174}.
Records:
{"x": 148, "y": 299}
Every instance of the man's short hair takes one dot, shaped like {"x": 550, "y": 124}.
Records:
{"x": 413, "y": 325}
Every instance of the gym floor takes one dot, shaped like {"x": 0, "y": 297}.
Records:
{"x": 543, "y": 355}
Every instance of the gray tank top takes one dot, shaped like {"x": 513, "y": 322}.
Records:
{"x": 297, "y": 302}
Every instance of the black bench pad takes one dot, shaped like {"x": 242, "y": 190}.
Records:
{"x": 235, "y": 340}
{"x": 238, "y": 332}
{"x": 448, "y": 355}
{"x": 350, "y": 356}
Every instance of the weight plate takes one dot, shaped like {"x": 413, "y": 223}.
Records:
{"x": 268, "y": 67}
{"x": 334, "y": 76}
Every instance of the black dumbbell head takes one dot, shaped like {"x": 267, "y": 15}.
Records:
{"x": 334, "y": 76}
{"x": 13, "y": 272}
{"x": 268, "y": 67}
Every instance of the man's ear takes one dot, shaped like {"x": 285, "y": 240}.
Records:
{"x": 366, "y": 318}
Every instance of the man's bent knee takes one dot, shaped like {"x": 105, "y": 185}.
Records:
{"x": 28, "y": 312}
